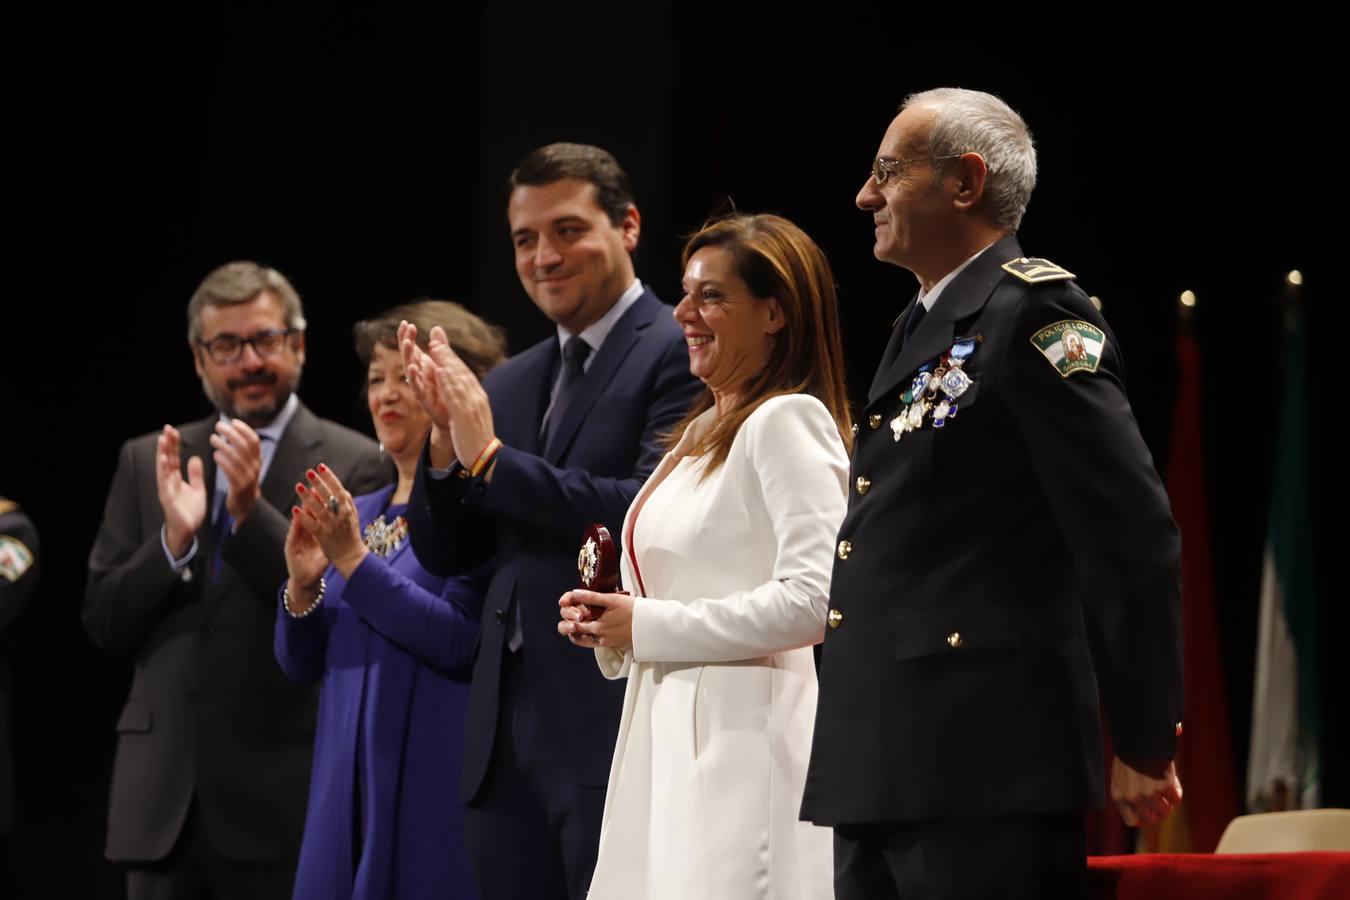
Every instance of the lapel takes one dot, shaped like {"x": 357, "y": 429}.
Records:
{"x": 300, "y": 448}
{"x": 520, "y": 395}
{"x": 620, "y": 341}
{"x": 668, "y": 462}
{"x": 893, "y": 346}
{"x": 961, "y": 299}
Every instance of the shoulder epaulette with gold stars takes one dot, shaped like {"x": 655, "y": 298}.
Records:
{"x": 1034, "y": 270}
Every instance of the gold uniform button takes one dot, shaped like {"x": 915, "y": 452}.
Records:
{"x": 835, "y": 618}
{"x": 874, "y": 420}
{"x": 1178, "y": 729}
{"x": 855, "y": 429}
{"x": 845, "y": 548}
{"x": 954, "y": 640}
{"x": 863, "y": 483}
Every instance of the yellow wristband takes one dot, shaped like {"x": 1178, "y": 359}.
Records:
{"x": 485, "y": 457}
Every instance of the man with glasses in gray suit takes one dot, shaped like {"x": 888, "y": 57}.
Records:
{"x": 214, "y": 743}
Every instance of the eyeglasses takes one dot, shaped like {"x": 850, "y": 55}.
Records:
{"x": 883, "y": 167}
{"x": 228, "y": 348}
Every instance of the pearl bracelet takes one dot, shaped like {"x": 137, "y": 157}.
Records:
{"x": 286, "y": 601}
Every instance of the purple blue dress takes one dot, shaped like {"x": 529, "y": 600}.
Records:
{"x": 393, "y": 646}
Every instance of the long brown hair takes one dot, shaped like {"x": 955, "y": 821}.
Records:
{"x": 777, "y": 259}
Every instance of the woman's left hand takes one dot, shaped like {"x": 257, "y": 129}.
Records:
{"x": 335, "y": 525}
{"x": 597, "y": 620}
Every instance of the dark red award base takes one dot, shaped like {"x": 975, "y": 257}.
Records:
{"x": 598, "y": 564}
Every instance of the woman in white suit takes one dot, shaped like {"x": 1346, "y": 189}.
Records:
{"x": 727, "y": 552}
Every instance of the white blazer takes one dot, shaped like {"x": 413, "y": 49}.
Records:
{"x": 711, "y": 757}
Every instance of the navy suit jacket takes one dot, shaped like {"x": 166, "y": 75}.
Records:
{"x": 531, "y": 518}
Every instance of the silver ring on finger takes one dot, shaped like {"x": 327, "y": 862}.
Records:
{"x": 333, "y": 505}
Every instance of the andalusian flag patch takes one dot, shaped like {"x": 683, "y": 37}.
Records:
{"x": 15, "y": 558}
{"x": 1071, "y": 346}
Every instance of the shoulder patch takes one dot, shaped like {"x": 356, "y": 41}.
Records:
{"x": 1071, "y": 345}
{"x": 1034, "y": 270}
{"x": 15, "y": 558}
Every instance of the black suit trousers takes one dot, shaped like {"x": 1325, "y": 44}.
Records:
{"x": 531, "y": 804}
{"x": 1015, "y": 857}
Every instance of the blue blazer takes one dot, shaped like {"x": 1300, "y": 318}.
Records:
{"x": 393, "y": 647}
{"x": 531, "y": 519}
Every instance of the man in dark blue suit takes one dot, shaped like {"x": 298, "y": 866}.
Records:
{"x": 557, "y": 438}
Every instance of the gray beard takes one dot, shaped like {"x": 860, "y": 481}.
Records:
{"x": 257, "y": 419}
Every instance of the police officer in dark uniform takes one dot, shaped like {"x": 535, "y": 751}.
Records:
{"x": 1008, "y": 550}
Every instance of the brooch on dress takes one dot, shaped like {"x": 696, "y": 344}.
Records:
{"x": 934, "y": 392}
{"x": 384, "y": 537}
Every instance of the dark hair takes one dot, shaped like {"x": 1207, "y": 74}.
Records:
{"x": 240, "y": 282}
{"x": 480, "y": 345}
{"x": 583, "y": 162}
{"x": 777, "y": 259}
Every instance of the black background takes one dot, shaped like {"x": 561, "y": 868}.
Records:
{"x": 365, "y": 156}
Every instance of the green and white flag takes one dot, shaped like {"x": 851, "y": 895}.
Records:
{"x": 1283, "y": 769}
{"x": 1071, "y": 346}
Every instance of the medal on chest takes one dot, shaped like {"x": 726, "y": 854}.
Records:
{"x": 934, "y": 392}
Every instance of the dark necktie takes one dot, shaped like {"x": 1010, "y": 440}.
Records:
{"x": 574, "y": 354}
{"x": 912, "y": 321}
{"x": 900, "y": 333}
{"x": 220, "y": 528}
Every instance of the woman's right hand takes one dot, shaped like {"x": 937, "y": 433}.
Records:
{"x": 305, "y": 563}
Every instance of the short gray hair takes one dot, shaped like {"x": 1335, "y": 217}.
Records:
{"x": 976, "y": 122}
{"x": 239, "y": 282}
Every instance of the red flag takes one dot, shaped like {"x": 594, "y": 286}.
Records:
{"x": 1205, "y": 751}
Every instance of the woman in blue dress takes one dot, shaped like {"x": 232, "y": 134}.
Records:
{"x": 393, "y": 646}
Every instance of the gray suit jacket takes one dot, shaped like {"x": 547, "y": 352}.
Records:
{"x": 210, "y": 713}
